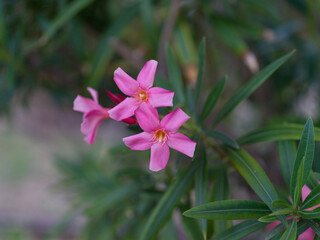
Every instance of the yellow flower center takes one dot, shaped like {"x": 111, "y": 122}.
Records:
{"x": 142, "y": 96}
{"x": 160, "y": 135}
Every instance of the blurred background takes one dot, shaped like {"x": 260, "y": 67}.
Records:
{"x": 53, "y": 185}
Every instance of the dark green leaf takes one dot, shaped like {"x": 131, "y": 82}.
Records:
{"x": 313, "y": 180}
{"x": 168, "y": 201}
{"x": 287, "y": 153}
{"x": 291, "y": 232}
{"x": 229, "y": 210}
{"x": 192, "y": 228}
{"x": 276, "y": 133}
{"x": 275, "y": 231}
{"x": 280, "y": 204}
{"x": 223, "y": 138}
{"x": 212, "y": 99}
{"x": 298, "y": 187}
{"x": 240, "y": 230}
{"x": 315, "y": 227}
{"x": 201, "y": 65}
{"x": 305, "y": 154}
{"x": 312, "y": 199}
{"x": 250, "y": 87}
{"x": 175, "y": 75}
{"x": 313, "y": 214}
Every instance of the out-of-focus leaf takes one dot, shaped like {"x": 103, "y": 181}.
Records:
{"x": 175, "y": 75}
{"x": 276, "y": 133}
{"x": 201, "y": 65}
{"x": 315, "y": 227}
{"x": 291, "y": 232}
{"x": 313, "y": 180}
{"x": 146, "y": 14}
{"x": 104, "y": 51}
{"x": 201, "y": 182}
{"x": 274, "y": 232}
{"x": 304, "y": 154}
{"x": 223, "y": 138}
{"x": 168, "y": 201}
{"x": 212, "y": 99}
{"x": 192, "y": 228}
{"x": 229, "y": 210}
{"x": 287, "y": 153}
{"x": 69, "y": 12}
{"x": 240, "y": 230}
{"x": 312, "y": 214}
{"x": 250, "y": 87}
{"x": 191, "y": 104}
{"x": 312, "y": 199}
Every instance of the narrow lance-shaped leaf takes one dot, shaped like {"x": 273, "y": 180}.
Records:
{"x": 291, "y": 232}
{"x": 287, "y": 153}
{"x": 276, "y": 133}
{"x": 201, "y": 65}
{"x": 212, "y": 98}
{"x": 250, "y": 87}
{"x": 229, "y": 210}
{"x": 168, "y": 201}
{"x": 223, "y": 138}
{"x": 298, "y": 187}
{"x": 192, "y": 228}
{"x": 201, "y": 182}
{"x": 276, "y": 231}
{"x": 313, "y": 214}
{"x": 240, "y": 230}
{"x": 315, "y": 227}
{"x": 305, "y": 154}
{"x": 175, "y": 75}
{"x": 312, "y": 199}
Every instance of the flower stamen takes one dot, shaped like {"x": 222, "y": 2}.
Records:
{"x": 142, "y": 96}
{"x": 160, "y": 136}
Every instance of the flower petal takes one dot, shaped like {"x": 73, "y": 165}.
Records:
{"x": 93, "y": 93}
{"x": 146, "y": 75}
{"x": 174, "y": 120}
{"x": 308, "y": 234}
{"x": 159, "y": 156}
{"x": 125, "y": 83}
{"x": 91, "y": 122}
{"x": 124, "y": 109}
{"x": 147, "y": 117}
{"x": 82, "y": 104}
{"x": 159, "y": 97}
{"x": 141, "y": 141}
{"x": 181, "y": 143}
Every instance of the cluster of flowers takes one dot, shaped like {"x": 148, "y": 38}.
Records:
{"x": 142, "y": 101}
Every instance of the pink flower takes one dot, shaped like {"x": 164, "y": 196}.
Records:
{"x": 308, "y": 234}
{"x": 93, "y": 116}
{"x": 139, "y": 91}
{"x": 160, "y": 135}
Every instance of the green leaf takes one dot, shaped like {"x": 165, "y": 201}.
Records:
{"x": 223, "y": 138}
{"x": 276, "y": 133}
{"x": 315, "y": 227}
{"x": 274, "y": 232}
{"x": 280, "y": 204}
{"x": 221, "y": 192}
{"x": 305, "y": 154}
{"x": 229, "y": 210}
{"x": 212, "y": 99}
{"x": 298, "y": 187}
{"x": 268, "y": 219}
{"x": 201, "y": 65}
{"x": 201, "y": 182}
{"x": 291, "y": 232}
{"x": 175, "y": 75}
{"x": 240, "y": 230}
{"x": 168, "y": 201}
{"x": 287, "y": 153}
{"x": 312, "y": 199}
{"x": 191, "y": 104}
{"x": 104, "y": 52}
{"x": 192, "y": 228}
{"x": 283, "y": 211}
{"x": 313, "y": 214}
{"x": 69, "y": 12}
{"x": 250, "y": 87}
{"x": 313, "y": 180}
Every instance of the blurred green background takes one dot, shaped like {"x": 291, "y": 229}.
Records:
{"x": 53, "y": 185}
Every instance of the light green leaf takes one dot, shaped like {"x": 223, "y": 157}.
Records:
{"x": 175, "y": 75}
{"x": 276, "y": 133}
{"x": 168, "y": 201}
{"x": 312, "y": 199}
{"x": 313, "y": 214}
{"x": 201, "y": 182}
{"x": 283, "y": 211}
{"x": 291, "y": 232}
{"x": 280, "y": 204}
{"x": 240, "y": 230}
{"x": 305, "y": 154}
{"x": 212, "y": 98}
{"x": 223, "y": 138}
{"x": 250, "y": 87}
{"x": 201, "y": 65}
{"x": 287, "y": 153}
{"x": 229, "y": 210}
{"x": 268, "y": 219}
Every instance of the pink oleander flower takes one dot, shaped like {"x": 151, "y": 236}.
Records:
{"x": 308, "y": 234}
{"x": 139, "y": 91}
{"x": 160, "y": 135}
{"x": 94, "y": 113}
